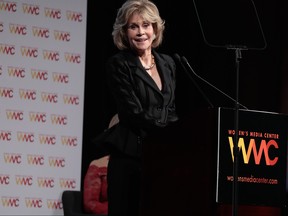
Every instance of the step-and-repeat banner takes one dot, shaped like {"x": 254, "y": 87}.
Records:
{"x": 42, "y": 71}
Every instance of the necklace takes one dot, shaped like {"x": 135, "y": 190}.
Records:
{"x": 150, "y": 67}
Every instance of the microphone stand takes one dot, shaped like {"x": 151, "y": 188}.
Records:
{"x": 238, "y": 56}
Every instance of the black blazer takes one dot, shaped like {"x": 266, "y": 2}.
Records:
{"x": 141, "y": 105}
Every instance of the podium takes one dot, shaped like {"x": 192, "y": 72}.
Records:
{"x": 186, "y": 165}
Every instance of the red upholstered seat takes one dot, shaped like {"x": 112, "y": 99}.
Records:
{"x": 95, "y": 190}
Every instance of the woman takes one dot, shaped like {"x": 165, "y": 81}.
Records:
{"x": 142, "y": 82}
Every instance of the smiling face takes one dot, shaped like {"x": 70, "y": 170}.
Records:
{"x": 140, "y": 34}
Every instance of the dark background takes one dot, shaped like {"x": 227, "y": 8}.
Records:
{"x": 262, "y": 73}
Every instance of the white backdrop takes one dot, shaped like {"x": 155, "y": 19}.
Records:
{"x": 42, "y": 70}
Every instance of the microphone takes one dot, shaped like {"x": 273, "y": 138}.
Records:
{"x": 177, "y": 57}
{"x": 183, "y": 59}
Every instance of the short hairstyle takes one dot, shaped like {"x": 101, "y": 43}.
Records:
{"x": 149, "y": 12}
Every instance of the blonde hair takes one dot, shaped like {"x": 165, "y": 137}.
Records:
{"x": 149, "y": 12}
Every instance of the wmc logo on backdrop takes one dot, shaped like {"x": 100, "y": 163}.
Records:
{"x": 262, "y": 157}
{"x": 42, "y": 73}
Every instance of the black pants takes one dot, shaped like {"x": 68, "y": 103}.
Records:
{"x": 124, "y": 182}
